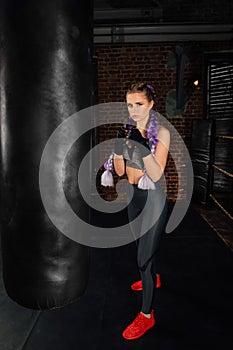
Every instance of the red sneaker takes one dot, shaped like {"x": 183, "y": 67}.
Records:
{"x": 138, "y": 285}
{"x": 139, "y": 326}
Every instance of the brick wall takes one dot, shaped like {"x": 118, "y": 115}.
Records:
{"x": 120, "y": 65}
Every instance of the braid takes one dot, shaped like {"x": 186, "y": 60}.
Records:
{"x": 108, "y": 165}
{"x": 152, "y": 131}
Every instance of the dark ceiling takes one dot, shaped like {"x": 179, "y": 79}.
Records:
{"x": 117, "y": 21}
{"x": 163, "y": 11}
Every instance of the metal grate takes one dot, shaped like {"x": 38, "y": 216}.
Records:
{"x": 220, "y": 92}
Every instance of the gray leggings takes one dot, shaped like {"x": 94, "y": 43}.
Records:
{"x": 149, "y": 208}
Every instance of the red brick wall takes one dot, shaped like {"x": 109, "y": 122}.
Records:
{"x": 120, "y": 65}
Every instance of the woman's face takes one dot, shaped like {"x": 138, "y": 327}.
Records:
{"x": 139, "y": 106}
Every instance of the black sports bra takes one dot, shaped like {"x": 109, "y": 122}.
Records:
{"x": 133, "y": 157}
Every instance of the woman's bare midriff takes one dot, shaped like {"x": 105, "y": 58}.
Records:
{"x": 133, "y": 175}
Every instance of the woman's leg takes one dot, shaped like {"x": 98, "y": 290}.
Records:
{"x": 134, "y": 209}
{"x": 148, "y": 246}
{"x": 148, "y": 282}
{"x": 145, "y": 252}
{"x": 133, "y": 212}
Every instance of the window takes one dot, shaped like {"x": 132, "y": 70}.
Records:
{"x": 220, "y": 86}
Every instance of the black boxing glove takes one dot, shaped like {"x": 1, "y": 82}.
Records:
{"x": 122, "y": 135}
{"x": 142, "y": 142}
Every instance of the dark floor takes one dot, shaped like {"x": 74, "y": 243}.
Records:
{"x": 193, "y": 308}
{"x": 221, "y": 223}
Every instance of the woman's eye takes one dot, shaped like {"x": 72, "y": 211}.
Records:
{"x": 138, "y": 104}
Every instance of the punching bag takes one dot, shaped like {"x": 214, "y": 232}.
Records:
{"x": 46, "y": 76}
{"x": 201, "y": 149}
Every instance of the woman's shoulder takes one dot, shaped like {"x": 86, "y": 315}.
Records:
{"x": 164, "y": 136}
{"x": 162, "y": 131}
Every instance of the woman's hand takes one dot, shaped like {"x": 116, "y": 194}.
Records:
{"x": 122, "y": 134}
{"x": 141, "y": 142}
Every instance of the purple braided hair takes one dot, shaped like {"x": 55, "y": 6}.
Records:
{"x": 152, "y": 131}
{"x": 108, "y": 165}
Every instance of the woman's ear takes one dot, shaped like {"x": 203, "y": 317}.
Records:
{"x": 151, "y": 104}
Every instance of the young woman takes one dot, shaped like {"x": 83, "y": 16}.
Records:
{"x": 141, "y": 152}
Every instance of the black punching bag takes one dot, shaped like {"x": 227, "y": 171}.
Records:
{"x": 201, "y": 149}
{"x": 46, "y": 76}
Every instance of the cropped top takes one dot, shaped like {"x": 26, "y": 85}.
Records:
{"x": 133, "y": 157}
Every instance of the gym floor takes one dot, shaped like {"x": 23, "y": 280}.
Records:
{"x": 220, "y": 222}
{"x": 193, "y": 307}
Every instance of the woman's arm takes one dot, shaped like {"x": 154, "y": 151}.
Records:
{"x": 119, "y": 164}
{"x": 155, "y": 165}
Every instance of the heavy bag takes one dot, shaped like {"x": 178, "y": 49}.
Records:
{"x": 201, "y": 150}
{"x": 46, "y": 76}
